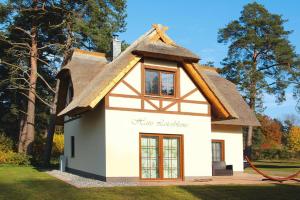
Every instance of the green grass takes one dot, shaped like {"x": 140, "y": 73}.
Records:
{"x": 277, "y": 167}
{"x": 29, "y": 183}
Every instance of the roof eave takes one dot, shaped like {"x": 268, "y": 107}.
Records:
{"x": 165, "y": 56}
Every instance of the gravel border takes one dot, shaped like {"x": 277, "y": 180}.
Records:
{"x": 237, "y": 179}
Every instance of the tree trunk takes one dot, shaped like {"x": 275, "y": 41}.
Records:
{"x": 32, "y": 91}
{"x": 250, "y": 128}
{"x": 51, "y": 128}
{"x": 22, "y": 134}
{"x": 252, "y": 101}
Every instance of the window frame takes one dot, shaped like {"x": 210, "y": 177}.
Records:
{"x": 161, "y": 70}
{"x": 222, "y": 142}
{"x": 160, "y": 156}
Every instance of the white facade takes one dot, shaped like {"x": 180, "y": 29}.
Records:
{"x": 233, "y": 139}
{"x": 123, "y": 128}
{"x": 107, "y": 138}
{"x": 89, "y": 134}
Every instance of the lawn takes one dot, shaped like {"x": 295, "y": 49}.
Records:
{"x": 277, "y": 167}
{"x": 30, "y": 183}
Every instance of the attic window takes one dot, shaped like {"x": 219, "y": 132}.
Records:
{"x": 159, "y": 82}
{"x": 70, "y": 94}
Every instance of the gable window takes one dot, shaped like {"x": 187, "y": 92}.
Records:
{"x": 70, "y": 94}
{"x": 159, "y": 82}
{"x": 218, "y": 153}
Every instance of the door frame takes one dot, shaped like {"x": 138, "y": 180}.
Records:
{"x": 160, "y": 155}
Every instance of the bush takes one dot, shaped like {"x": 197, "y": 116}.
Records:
{"x": 273, "y": 153}
{"x": 6, "y": 144}
{"x": 14, "y": 158}
{"x": 58, "y": 145}
{"x": 8, "y": 156}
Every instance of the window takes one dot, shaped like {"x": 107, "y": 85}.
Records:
{"x": 160, "y": 83}
{"x": 218, "y": 153}
{"x": 160, "y": 156}
{"x": 70, "y": 94}
{"x": 72, "y": 146}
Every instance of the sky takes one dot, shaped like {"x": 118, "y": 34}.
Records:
{"x": 194, "y": 24}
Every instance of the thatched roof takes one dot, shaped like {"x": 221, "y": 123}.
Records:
{"x": 80, "y": 70}
{"x": 93, "y": 77}
{"x": 230, "y": 95}
{"x": 102, "y": 80}
{"x": 162, "y": 49}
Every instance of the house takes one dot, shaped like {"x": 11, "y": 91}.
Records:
{"x": 149, "y": 113}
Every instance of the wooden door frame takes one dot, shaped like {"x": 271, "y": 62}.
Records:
{"x": 160, "y": 159}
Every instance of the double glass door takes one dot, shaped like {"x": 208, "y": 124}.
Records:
{"x": 160, "y": 156}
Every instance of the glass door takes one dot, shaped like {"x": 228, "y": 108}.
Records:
{"x": 218, "y": 153}
{"x": 171, "y": 158}
{"x": 149, "y": 157}
{"x": 160, "y": 156}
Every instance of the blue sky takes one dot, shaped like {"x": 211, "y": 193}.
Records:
{"x": 194, "y": 24}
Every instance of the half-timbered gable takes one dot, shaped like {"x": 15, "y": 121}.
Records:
{"x": 130, "y": 93}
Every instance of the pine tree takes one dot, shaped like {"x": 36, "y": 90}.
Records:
{"x": 38, "y": 36}
{"x": 89, "y": 25}
{"x": 259, "y": 56}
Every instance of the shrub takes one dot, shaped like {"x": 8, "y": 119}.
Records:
{"x": 273, "y": 153}
{"x": 6, "y": 144}
{"x": 8, "y": 156}
{"x": 58, "y": 145}
{"x": 14, "y": 158}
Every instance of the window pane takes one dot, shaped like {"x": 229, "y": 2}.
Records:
{"x": 167, "y": 83}
{"x": 149, "y": 151}
{"x": 152, "y": 82}
{"x": 171, "y": 157}
{"x": 216, "y": 151}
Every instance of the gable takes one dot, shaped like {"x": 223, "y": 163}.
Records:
{"x": 128, "y": 94}
{"x": 156, "y": 44}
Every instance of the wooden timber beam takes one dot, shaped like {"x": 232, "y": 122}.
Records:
{"x": 160, "y": 34}
{"x": 222, "y": 112}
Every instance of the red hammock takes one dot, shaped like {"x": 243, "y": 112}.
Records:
{"x": 279, "y": 179}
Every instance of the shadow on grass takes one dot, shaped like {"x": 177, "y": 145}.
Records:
{"x": 53, "y": 189}
{"x": 272, "y": 192}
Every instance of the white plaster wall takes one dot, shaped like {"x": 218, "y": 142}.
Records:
{"x": 89, "y": 132}
{"x": 233, "y": 138}
{"x": 123, "y": 102}
{"x": 133, "y": 78}
{"x": 122, "y": 149}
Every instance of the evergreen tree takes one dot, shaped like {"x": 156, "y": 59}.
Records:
{"x": 37, "y": 36}
{"x": 259, "y": 56}
{"x": 88, "y": 25}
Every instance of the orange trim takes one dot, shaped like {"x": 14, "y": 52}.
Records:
{"x": 279, "y": 179}
{"x": 221, "y": 110}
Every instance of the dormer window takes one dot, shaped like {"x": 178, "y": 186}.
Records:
{"x": 70, "y": 94}
{"x": 159, "y": 82}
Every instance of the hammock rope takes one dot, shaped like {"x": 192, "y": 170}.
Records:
{"x": 268, "y": 177}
